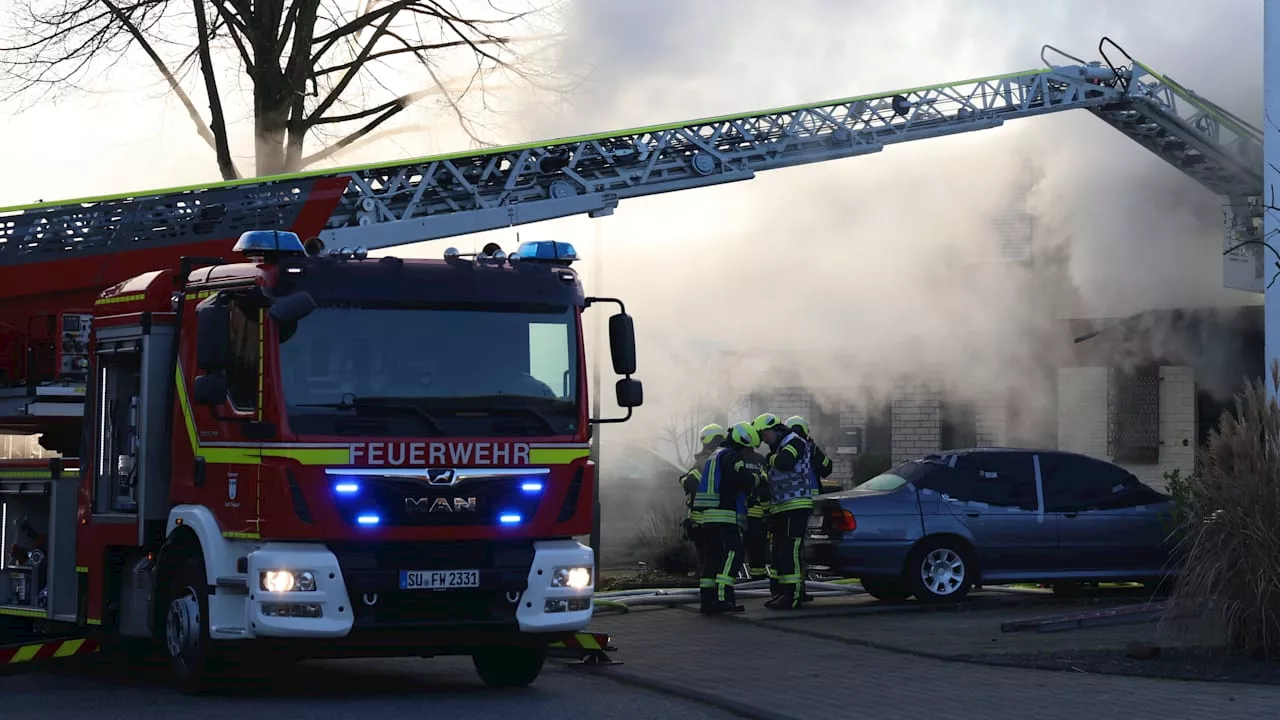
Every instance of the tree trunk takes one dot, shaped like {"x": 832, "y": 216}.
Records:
{"x": 271, "y": 119}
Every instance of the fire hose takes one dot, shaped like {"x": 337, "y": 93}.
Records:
{"x": 624, "y": 600}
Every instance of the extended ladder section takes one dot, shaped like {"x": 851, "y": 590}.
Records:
{"x": 380, "y": 206}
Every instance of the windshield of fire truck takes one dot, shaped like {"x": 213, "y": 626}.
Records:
{"x": 370, "y": 370}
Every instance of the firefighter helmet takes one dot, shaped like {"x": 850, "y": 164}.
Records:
{"x": 711, "y": 434}
{"x": 745, "y": 435}
{"x": 764, "y": 421}
{"x": 795, "y": 422}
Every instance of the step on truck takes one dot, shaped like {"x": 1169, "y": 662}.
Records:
{"x": 312, "y": 455}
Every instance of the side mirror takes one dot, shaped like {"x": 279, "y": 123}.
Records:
{"x": 213, "y": 337}
{"x": 209, "y": 389}
{"x": 622, "y": 344}
{"x": 630, "y": 393}
{"x": 292, "y": 307}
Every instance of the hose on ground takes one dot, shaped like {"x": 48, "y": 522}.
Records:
{"x": 607, "y": 605}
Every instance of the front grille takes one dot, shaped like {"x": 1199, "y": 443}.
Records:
{"x": 408, "y": 501}
{"x": 372, "y": 574}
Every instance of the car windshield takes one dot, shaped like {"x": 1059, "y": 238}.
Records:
{"x": 440, "y": 372}
{"x": 897, "y": 476}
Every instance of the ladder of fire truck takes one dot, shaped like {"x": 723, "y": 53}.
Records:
{"x": 391, "y": 204}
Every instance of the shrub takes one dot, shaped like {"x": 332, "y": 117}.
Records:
{"x": 660, "y": 542}
{"x": 1230, "y": 545}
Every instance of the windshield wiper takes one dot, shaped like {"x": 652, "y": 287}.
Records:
{"x": 351, "y": 403}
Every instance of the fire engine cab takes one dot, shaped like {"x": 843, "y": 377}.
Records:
{"x": 323, "y": 456}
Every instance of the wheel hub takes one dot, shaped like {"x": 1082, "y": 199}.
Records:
{"x": 182, "y": 627}
{"x": 943, "y": 571}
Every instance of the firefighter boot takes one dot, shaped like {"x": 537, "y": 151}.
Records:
{"x": 707, "y": 598}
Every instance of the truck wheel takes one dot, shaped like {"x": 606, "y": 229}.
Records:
{"x": 186, "y": 625}
{"x": 509, "y": 667}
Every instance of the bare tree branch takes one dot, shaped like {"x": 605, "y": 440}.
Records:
{"x": 323, "y": 76}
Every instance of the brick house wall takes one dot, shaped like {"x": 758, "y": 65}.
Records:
{"x": 1082, "y": 419}
{"x": 917, "y": 421}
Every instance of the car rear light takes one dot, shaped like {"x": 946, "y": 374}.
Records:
{"x": 842, "y": 521}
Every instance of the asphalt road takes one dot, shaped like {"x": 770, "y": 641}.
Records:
{"x": 373, "y": 689}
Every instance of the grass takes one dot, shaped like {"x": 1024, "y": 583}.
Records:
{"x": 1230, "y": 546}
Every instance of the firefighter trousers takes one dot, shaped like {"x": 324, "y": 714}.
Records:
{"x": 757, "y": 547}
{"x": 788, "y": 540}
{"x": 722, "y": 551}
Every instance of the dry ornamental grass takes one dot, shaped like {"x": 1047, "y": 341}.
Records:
{"x": 1230, "y": 549}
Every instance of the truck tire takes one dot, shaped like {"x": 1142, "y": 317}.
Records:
{"x": 185, "y": 602}
{"x": 509, "y": 667}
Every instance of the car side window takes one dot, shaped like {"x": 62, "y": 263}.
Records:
{"x": 1076, "y": 484}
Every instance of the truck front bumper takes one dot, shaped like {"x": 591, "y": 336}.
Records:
{"x": 352, "y": 591}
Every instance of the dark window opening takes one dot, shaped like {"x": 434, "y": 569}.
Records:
{"x": 876, "y": 455}
{"x": 959, "y": 426}
{"x": 1133, "y": 415}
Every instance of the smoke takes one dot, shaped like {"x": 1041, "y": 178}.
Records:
{"x": 856, "y": 275}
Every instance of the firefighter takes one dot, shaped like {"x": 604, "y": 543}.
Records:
{"x": 791, "y": 504}
{"x": 709, "y": 437}
{"x": 819, "y": 463}
{"x": 723, "y": 485}
{"x": 756, "y": 532}
{"x": 819, "y": 466}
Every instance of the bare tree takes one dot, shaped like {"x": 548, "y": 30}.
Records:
{"x": 320, "y": 72}
{"x": 708, "y": 400}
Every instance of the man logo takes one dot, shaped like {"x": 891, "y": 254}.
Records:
{"x": 440, "y": 476}
{"x": 440, "y": 504}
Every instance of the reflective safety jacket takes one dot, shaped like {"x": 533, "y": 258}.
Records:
{"x": 790, "y": 477}
{"x": 758, "y": 498}
{"x": 820, "y": 466}
{"x": 689, "y": 483}
{"x": 723, "y": 486}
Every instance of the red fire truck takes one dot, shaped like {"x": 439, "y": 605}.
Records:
{"x": 318, "y": 455}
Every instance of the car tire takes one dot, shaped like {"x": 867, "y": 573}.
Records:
{"x": 887, "y": 589}
{"x": 940, "y": 570}
{"x": 511, "y": 667}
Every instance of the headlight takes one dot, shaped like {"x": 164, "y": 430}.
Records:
{"x": 279, "y": 581}
{"x": 571, "y": 577}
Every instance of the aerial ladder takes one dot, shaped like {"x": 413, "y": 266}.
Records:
{"x": 56, "y": 257}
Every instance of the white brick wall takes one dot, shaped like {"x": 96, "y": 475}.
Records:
{"x": 917, "y": 421}
{"x": 992, "y": 420}
{"x": 1082, "y": 418}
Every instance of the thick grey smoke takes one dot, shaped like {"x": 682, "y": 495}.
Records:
{"x": 863, "y": 272}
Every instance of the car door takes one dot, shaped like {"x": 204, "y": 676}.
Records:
{"x": 1002, "y": 511}
{"x": 1109, "y": 523}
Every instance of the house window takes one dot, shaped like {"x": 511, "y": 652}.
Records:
{"x": 959, "y": 427}
{"x": 1133, "y": 415}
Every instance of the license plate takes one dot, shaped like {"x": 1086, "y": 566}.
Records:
{"x": 815, "y": 522}
{"x": 439, "y": 579}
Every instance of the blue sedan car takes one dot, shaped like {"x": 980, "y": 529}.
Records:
{"x": 935, "y": 527}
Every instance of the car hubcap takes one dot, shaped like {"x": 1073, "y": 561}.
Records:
{"x": 942, "y": 571}
{"x": 182, "y": 628}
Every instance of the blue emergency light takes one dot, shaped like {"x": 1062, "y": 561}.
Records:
{"x": 552, "y": 251}
{"x": 346, "y": 487}
{"x": 531, "y": 486}
{"x": 509, "y": 518}
{"x": 257, "y": 242}
{"x": 368, "y": 519}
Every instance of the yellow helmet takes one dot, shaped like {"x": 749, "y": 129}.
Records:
{"x": 795, "y": 422}
{"x": 745, "y": 435}
{"x": 710, "y": 434}
{"x": 764, "y": 421}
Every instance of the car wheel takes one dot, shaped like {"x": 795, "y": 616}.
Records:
{"x": 940, "y": 570}
{"x": 886, "y": 589}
